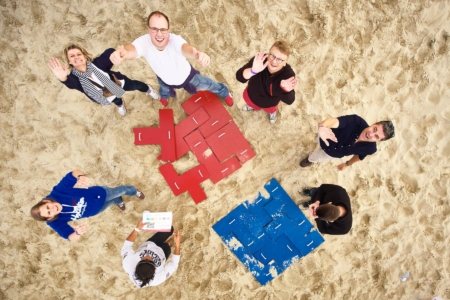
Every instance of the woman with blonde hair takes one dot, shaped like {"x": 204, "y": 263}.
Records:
{"x": 73, "y": 198}
{"x": 94, "y": 77}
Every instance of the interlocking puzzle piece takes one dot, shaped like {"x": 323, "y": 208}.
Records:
{"x": 204, "y": 154}
{"x": 288, "y": 234}
{"x": 229, "y": 141}
{"x": 219, "y": 116}
{"x": 263, "y": 273}
{"x": 188, "y": 181}
{"x": 282, "y": 250}
{"x": 185, "y": 127}
{"x": 163, "y": 135}
{"x": 238, "y": 222}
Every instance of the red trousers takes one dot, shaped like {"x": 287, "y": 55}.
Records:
{"x": 249, "y": 102}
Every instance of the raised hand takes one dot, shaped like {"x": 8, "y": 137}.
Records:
{"x": 82, "y": 182}
{"x": 201, "y": 57}
{"x": 327, "y": 134}
{"x": 289, "y": 84}
{"x": 258, "y": 62}
{"x": 59, "y": 70}
{"x": 118, "y": 56}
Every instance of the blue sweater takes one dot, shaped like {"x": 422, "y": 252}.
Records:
{"x": 76, "y": 203}
{"x": 103, "y": 63}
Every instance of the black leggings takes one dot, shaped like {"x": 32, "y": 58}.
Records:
{"x": 131, "y": 85}
{"x": 159, "y": 239}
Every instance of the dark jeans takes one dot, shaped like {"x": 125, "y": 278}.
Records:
{"x": 159, "y": 239}
{"x": 131, "y": 85}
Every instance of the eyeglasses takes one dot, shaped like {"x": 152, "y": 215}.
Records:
{"x": 162, "y": 30}
{"x": 277, "y": 59}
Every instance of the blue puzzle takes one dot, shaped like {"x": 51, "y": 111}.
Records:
{"x": 268, "y": 235}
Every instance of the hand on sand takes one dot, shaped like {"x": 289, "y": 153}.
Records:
{"x": 258, "y": 62}
{"x": 59, "y": 70}
{"x": 79, "y": 230}
{"x": 342, "y": 167}
{"x": 201, "y": 57}
{"x": 289, "y": 84}
{"x": 118, "y": 56}
{"x": 327, "y": 134}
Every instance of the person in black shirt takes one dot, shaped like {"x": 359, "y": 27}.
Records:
{"x": 270, "y": 80}
{"x": 331, "y": 209}
{"x": 348, "y": 135}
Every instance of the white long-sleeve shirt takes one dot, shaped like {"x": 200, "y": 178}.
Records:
{"x": 163, "y": 271}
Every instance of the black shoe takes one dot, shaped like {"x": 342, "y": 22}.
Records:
{"x": 304, "y": 205}
{"x": 306, "y": 192}
{"x": 305, "y": 163}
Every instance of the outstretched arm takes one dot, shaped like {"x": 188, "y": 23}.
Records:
{"x": 79, "y": 230}
{"x": 348, "y": 163}
{"x": 58, "y": 69}
{"x": 191, "y": 52}
{"x": 122, "y": 53}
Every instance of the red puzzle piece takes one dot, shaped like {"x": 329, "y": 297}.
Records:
{"x": 188, "y": 181}
{"x": 164, "y": 135}
{"x": 219, "y": 116}
{"x": 228, "y": 141}
{"x": 205, "y": 156}
{"x": 185, "y": 127}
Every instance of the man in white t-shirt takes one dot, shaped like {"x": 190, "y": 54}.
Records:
{"x": 167, "y": 55}
{"x": 147, "y": 266}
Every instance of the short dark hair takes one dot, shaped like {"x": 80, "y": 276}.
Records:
{"x": 157, "y": 13}
{"x": 36, "y": 213}
{"x": 388, "y": 129}
{"x": 145, "y": 271}
{"x": 328, "y": 212}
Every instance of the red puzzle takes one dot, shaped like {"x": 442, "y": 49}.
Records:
{"x": 211, "y": 134}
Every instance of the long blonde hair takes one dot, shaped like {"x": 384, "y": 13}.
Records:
{"x": 74, "y": 46}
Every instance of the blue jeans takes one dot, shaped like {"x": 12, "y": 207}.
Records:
{"x": 202, "y": 83}
{"x": 113, "y": 195}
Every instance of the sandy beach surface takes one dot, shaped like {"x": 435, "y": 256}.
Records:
{"x": 378, "y": 59}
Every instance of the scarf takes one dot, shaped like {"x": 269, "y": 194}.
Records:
{"x": 91, "y": 90}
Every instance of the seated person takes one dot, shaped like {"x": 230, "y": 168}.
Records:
{"x": 331, "y": 209}
{"x": 148, "y": 265}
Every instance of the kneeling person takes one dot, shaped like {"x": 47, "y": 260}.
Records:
{"x": 331, "y": 209}
{"x": 147, "y": 266}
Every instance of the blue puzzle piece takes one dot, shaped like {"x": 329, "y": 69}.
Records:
{"x": 268, "y": 235}
{"x": 263, "y": 273}
{"x": 282, "y": 250}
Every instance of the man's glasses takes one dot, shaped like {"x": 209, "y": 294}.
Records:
{"x": 162, "y": 30}
{"x": 277, "y": 59}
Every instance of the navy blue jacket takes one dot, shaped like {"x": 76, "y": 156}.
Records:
{"x": 103, "y": 63}
{"x": 348, "y": 131}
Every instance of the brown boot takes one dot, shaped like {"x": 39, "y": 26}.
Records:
{"x": 305, "y": 163}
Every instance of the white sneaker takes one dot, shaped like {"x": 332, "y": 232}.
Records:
{"x": 122, "y": 110}
{"x": 247, "y": 108}
{"x": 152, "y": 93}
{"x": 273, "y": 118}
